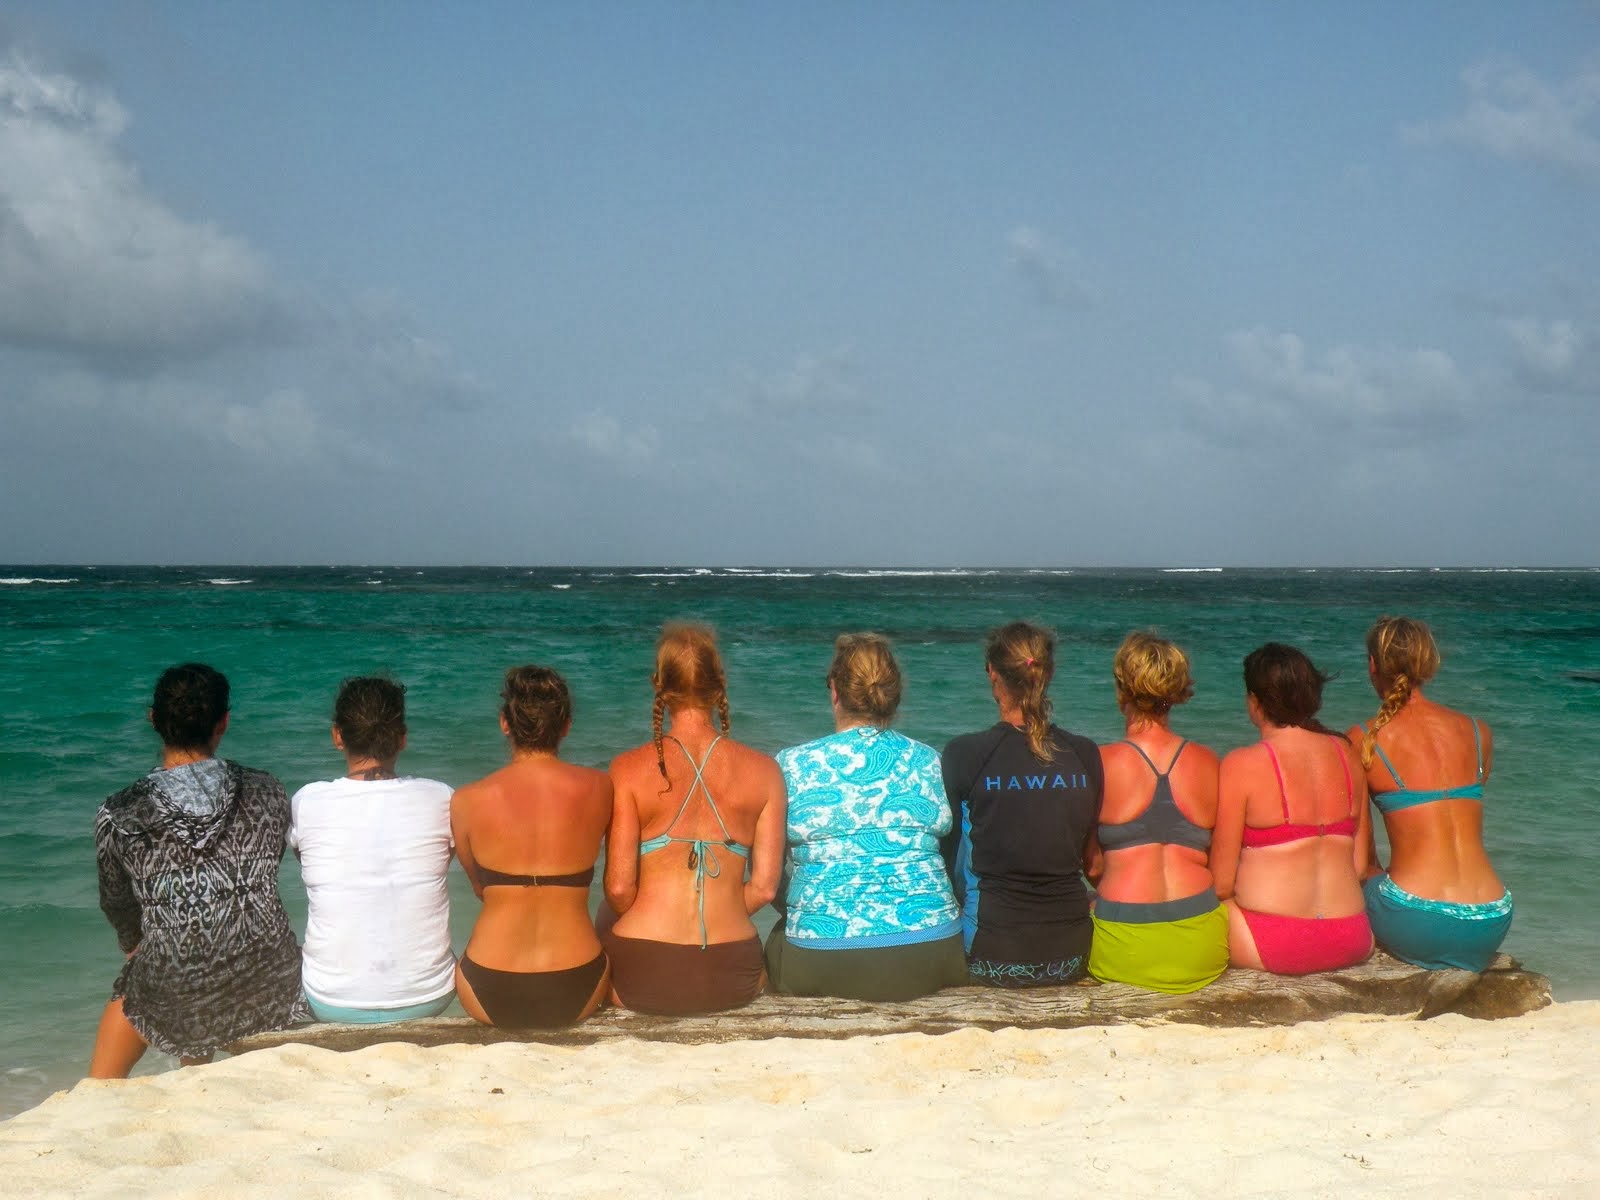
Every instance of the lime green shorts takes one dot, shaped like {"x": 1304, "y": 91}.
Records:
{"x": 1166, "y": 947}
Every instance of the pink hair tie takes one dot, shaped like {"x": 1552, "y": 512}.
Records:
{"x": 1030, "y": 662}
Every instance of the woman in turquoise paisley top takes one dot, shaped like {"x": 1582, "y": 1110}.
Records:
{"x": 869, "y": 914}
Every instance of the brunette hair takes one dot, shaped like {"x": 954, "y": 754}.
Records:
{"x": 190, "y": 702}
{"x": 1152, "y": 676}
{"x": 370, "y": 714}
{"x": 1023, "y": 659}
{"x": 1287, "y": 686}
{"x": 537, "y": 707}
{"x": 688, "y": 674}
{"x": 1404, "y": 656}
{"x": 866, "y": 677}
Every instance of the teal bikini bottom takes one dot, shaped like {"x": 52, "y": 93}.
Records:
{"x": 1436, "y": 934}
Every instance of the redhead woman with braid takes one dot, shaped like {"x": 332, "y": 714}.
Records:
{"x": 695, "y": 845}
{"x": 1440, "y": 904}
{"x": 1028, "y": 795}
{"x": 1157, "y": 921}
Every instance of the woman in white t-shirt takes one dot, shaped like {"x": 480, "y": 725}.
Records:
{"x": 374, "y": 848}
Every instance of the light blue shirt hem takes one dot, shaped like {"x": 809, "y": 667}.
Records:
{"x": 909, "y": 937}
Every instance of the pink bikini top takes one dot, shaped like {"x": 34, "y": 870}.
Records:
{"x": 1278, "y": 835}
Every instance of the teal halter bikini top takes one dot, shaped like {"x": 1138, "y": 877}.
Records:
{"x": 702, "y": 851}
{"x": 1404, "y": 797}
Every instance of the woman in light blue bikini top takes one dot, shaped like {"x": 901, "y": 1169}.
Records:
{"x": 714, "y": 810}
{"x": 1436, "y": 845}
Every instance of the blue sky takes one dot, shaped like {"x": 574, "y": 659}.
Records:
{"x": 888, "y": 284}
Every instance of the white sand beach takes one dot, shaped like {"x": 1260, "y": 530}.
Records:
{"x": 1353, "y": 1106}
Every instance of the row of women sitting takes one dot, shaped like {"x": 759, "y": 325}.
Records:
{"x": 896, "y": 871}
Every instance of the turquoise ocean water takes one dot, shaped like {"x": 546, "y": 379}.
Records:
{"x": 80, "y": 649}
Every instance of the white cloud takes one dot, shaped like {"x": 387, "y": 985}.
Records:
{"x": 1511, "y": 113}
{"x": 812, "y": 383}
{"x": 1548, "y": 348}
{"x": 281, "y": 425}
{"x": 1050, "y": 275}
{"x": 375, "y": 344}
{"x": 850, "y": 455}
{"x": 159, "y": 322}
{"x": 1282, "y": 386}
{"x": 93, "y": 264}
{"x": 632, "y": 447}
{"x": 1560, "y": 356}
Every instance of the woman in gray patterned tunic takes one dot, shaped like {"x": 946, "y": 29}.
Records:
{"x": 188, "y": 859}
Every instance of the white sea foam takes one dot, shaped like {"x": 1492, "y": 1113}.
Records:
{"x": 1191, "y": 570}
{"x": 229, "y": 582}
{"x": 24, "y": 581}
{"x": 561, "y": 587}
{"x": 922, "y": 573}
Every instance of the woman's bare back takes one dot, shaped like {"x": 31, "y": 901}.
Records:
{"x": 662, "y": 888}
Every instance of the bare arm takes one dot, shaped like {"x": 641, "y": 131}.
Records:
{"x": 1366, "y": 843}
{"x": 767, "y": 848}
{"x": 622, "y": 846}
{"x": 1227, "y": 838}
{"x": 460, "y": 806}
{"x": 1094, "y": 858}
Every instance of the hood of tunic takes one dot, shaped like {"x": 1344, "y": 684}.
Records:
{"x": 191, "y": 802}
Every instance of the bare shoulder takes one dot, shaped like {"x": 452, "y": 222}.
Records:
{"x": 469, "y": 794}
{"x": 591, "y": 777}
{"x": 1197, "y": 756}
{"x": 1116, "y": 753}
{"x": 748, "y": 758}
{"x": 635, "y": 759}
{"x": 1243, "y": 758}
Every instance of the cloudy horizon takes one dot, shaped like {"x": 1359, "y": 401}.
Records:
{"x": 900, "y": 285}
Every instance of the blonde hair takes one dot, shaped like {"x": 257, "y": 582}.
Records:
{"x": 688, "y": 675}
{"x": 1404, "y": 656}
{"x": 866, "y": 677}
{"x": 1023, "y": 659}
{"x": 1152, "y": 676}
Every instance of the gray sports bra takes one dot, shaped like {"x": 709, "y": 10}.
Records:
{"x": 1162, "y": 822}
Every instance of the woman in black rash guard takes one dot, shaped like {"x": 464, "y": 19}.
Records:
{"x": 1029, "y": 798}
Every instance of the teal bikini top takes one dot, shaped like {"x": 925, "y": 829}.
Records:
{"x": 702, "y": 851}
{"x": 1404, "y": 797}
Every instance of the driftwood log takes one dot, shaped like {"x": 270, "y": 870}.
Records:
{"x": 1383, "y": 986}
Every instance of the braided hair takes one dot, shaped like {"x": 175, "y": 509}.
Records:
{"x": 1405, "y": 656}
{"x": 688, "y": 674}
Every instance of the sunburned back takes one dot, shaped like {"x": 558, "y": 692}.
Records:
{"x": 1156, "y": 838}
{"x": 528, "y": 836}
{"x": 683, "y": 848}
{"x": 1303, "y": 824}
{"x": 1426, "y": 778}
